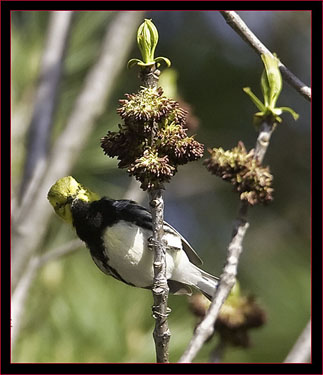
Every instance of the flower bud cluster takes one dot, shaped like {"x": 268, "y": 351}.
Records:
{"x": 237, "y": 316}
{"x": 241, "y": 168}
{"x": 153, "y": 140}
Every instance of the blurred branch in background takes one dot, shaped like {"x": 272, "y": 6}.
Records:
{"x": 31, "y": 224}
{"x": 45, "y": 99}
{"x": 21, "y": 294}
{"x": 247, "y": 35}
{"x": 301, "y": 351}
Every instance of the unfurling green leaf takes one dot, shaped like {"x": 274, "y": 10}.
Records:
{"x": 271, "y": 82}
{"x": 271, "y": 86}
{"x": 291, "y": 111}
{"x": 255, "y": 100}
{"x": 163, "y": 59}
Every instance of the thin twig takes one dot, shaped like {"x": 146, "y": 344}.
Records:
{"x": 228, "y": 276}
{"x": 239, "y": 26}
{"x": 265, "y": 132}
{"x": 61, "y": 251}
{"x": 31, "y": 225}
{"x": 227, "y": 280}
{"x": 301, "y": 351}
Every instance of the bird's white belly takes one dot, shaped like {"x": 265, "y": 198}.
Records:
{"x": 130, "y": 256}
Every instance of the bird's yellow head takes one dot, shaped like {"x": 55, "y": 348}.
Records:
{"x": 62, "y": 194}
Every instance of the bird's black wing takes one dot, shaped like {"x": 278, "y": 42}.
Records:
{"x": 134, "y": 213}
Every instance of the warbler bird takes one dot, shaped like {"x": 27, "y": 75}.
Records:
{"x": 117, "y": 233}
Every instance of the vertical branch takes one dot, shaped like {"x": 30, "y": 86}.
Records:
{"x": 154, "y": 160}
{"x": 149, "y": 77}
{"x": 160, "y": 287}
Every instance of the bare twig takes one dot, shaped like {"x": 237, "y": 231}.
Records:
{"x": 160, "y": 286}
{"x": 263, "y": 140}
{"x": 31, "y": 225}
{"x": 228, "y": 276}
{"x": 63, "y": 250}
{"x": 238, "y": 25}
{"x": 301, "y": 351}
{"x": 227, "y": 280}
{"x": 46, "y": 95}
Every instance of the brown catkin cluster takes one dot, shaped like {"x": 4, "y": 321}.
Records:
{"x": 241, "y": 168}
{"x": 237, "y": 316}
{"x": 153, "y": 140}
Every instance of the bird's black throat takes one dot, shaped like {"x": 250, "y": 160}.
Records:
{"x": 91, "y": 220}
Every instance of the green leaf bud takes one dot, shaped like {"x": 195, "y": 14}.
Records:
{"x": 147, "y": 39}
{"x": 271, "y": 82}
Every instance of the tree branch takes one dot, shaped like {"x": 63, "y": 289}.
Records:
{"x": 237, "y": 24}
{"x": 228, "y": 276}
{"x": 160, "y": 286}
{"x": 31, "y": 225}
{"x": 46, "y": 95}
{"x": 227, "y": 280}
{"x": 301, "y": 351}
{"x": 149, "y": 77}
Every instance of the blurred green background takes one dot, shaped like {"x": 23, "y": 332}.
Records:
{"x": 74, "y": 313}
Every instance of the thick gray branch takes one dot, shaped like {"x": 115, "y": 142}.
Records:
{"x": 237, "y": 24}
{"x": 160, "y": 286}
{"x": 31, "y": 225}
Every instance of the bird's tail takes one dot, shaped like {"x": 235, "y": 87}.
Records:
{"x": 205, "y": 282}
